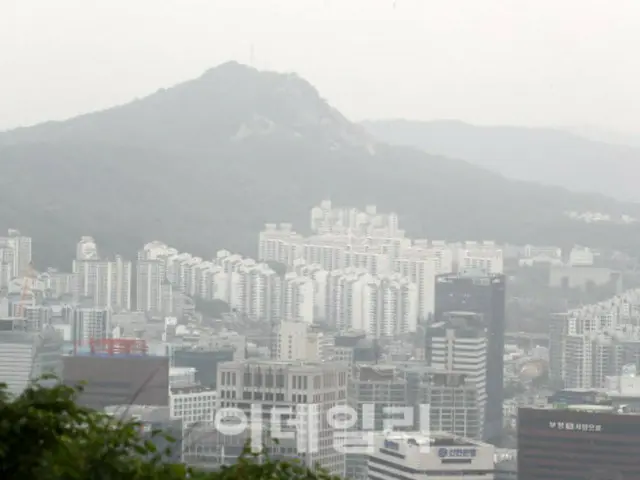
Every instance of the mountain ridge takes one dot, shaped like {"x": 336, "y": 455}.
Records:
{"x": 173, "y": 166}
{"x": 543, "y": 155}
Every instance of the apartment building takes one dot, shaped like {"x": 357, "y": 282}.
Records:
{"x": 56, "y": 284}
{"x": 485, "y": 256}
{"x": 89, "y": 323}
{"x": 15, "y": 253}
{"x": 298, "y": 295}
{"x": 326, "y": 218}
{"x": 106, "y": 282}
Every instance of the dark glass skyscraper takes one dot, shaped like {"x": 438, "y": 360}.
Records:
{"x": 483, "y": 294}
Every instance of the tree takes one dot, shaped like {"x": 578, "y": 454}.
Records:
{"x": 46, "y": 435}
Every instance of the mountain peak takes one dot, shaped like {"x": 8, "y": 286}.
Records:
{"x": 228, "y": 68}
{"x": 228, "y": 103}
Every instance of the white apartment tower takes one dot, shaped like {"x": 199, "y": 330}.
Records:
{"x": 422, "y": 272}
{"x": 279, "y": 243}
{"x": 256, "y": 291}
{"x": 381, "y": 306}
{"x": 15, "y": 255}
{"x": 298, "y": 298}
{"x": 22, "y": 252}
{"x": 485, "y": 256}
{"x": 150, "y": 275}
{"x": 90, "y": 324}
{"x": 106, "y": 282}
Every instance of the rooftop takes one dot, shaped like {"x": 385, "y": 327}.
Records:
{"x": 436, "y": 439}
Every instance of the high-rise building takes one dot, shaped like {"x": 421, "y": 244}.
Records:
{"x": 298, "y": 298}
{"x": 36, "y": 317}
{"x": 459, "y": 344}
{"x": 90, "y": 323}
{"x": 485, "y": 256}
{"x": 6, "y": 263}
{"x": 149, "y": 277}
{"x": 380, "y": 306}
{"x": 254, "y": 289}
{"x": 421, "y": 271}
{"x": 452, "y": 403}
{"x": 107, "y": 283}
{"x": 27, "y": 355}
{"x": 306, "y": 390}
{"x": 596, "y": 442}
{"x": 58, "y": 284}
{"x": 478, "y": 292}
{"x": 21, "y": 252}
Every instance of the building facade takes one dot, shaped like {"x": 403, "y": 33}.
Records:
{"x": 484, "y": 294}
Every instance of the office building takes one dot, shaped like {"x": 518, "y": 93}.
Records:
{"x": 27, "y": 355}
{"x": 458, "y": 343}
{"x": 477, "y": 292}
{"x": 432, "y": 455}
{"x": 452, "y": 400}
{"x": 118, "y": 372}
{"x": 578, "y": 442}
{"x": 194, "y": 405}
{"x": 182, "y": 377}
{"x": 372, "y": 390}
{"x": 306, "y": 390}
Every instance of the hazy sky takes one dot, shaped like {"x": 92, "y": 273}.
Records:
{"x": 525, "y": 62}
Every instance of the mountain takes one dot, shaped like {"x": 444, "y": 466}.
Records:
{"x": 606, "y": 135}
{"x": 548, "y": 156}
{"x": 204, "y": 164}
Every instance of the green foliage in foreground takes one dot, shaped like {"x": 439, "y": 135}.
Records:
{"x": 46, "y": 435}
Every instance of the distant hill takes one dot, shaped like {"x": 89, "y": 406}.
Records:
{"x": 203, "y": 165}
{"x": 607, "y": 136}
{"x": 548, "y": 156}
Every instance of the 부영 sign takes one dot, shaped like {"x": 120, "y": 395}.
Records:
{"x": 578, "y": 427}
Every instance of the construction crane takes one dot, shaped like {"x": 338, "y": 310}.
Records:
{"x": 27, "y": 285}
